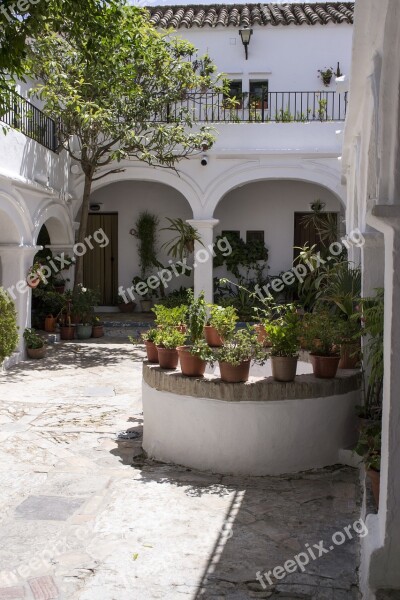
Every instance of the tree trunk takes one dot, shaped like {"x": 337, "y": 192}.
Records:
{"x": 83, "y": 228}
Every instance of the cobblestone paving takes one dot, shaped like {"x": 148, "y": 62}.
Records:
{"x": 86, "y": 517}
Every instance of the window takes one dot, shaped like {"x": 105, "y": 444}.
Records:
{"x": 235, "y": 91}
{"x": 258, "y": 93}
{"x": 254, "y": 236}
{"x": 255, "y": 240}
{"x": 232, "y": 234}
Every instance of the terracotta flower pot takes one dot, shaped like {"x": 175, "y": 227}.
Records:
{"x": 50, "y": 324}
{"x": 168, "y": 357}
{"x": 67, "y": 332}
{"x": 375, "y": 478}
{"x": 33, "y": 283}
{"x": 284, "y": 367}
{"x": 324, "y": 367}
{"x": 262, "y": 335}
{"x": 36, "y": 353}
{"x": 146, "y": 305}
{"x": 83, "y": 332}
{"x": 97, "y": 331}
{"x": 212, "y": 336}
{"x": 127, "y": 307}
{"x": 234, "y": 373}
{"x": 152, "y": 352}
{"x": 349, "y": 356}
{"x": 191, "y": 366}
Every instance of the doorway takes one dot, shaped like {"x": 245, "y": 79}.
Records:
{"x": 100, "y": 265}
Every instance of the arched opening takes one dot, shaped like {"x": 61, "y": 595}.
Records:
{"x": 114, "y": 210}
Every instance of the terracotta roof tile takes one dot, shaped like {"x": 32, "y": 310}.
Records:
{"x": 239, "y": 15}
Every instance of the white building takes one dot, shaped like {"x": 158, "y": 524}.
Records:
{"x": 267, "y": 165}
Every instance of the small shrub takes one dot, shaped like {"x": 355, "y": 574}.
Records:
{"x": 8, "y": 326}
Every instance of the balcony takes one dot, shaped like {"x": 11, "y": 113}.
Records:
{"x": 278, "y": 107}
{"x": 22, "y": 115}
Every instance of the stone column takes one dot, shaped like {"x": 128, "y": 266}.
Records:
{"x": 203, "y": 257}
{"x": 372, "y": 262}
{"x": 15, "y": 262}
{"x": 381, "y": 547}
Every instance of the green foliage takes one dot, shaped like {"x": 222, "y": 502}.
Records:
{"x": 284, "y": 330}
{"x": 340, "y": 287}
{"x": 175, "y": 298}
{"x": 47, "y": 302}
{"x": 32, "y": 339}
{"x": 323, "y": 332}
{"x": 202, "y": 350}
{"x": 8, "y": 326}
{"x": 196, "y": 316}
{"x": 170, "y": 317}
{"x": 169, "y": 337}
{"x": 83, "y": 301}
{"x": 145, "y": 231}
{"x": 224, "y": 320}
{"x": 241, "y": 346}
{"x": 284, "y": 116}
{"x": 369, "y": 445}
{"x": 183, "y": 243}
{"x": 243, "y": 254}
{"x": 149, "y": 335}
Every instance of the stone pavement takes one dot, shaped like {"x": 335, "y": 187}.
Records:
{"x": 86, "y": 517}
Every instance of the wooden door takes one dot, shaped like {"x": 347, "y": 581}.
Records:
{"x": 306, "y": 233}
{"x": 100, "y": 265}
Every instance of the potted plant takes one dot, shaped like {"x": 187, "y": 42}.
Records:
{"x": 83, "y": 302}
{"x": 34, "y": 344}
{"x": 326, "y": 75}
{"x": 171, "y": 317}
{"x": 34, "y": 275}
{"x": 283, "y": 334}
{"x": 193, "y": 357}
{"x": 323, "y": 332}
{"x": 220, "y": 325}
{"x": 149, "y": 338}
{"x": 369, "y": 448}
{"x": 185, "y": 236}
{"x": 97, "y": 328}
{"x": 235, "y": 356}
{"x": 67, "y": 328}
{"x": 125, "y": 307}
{"x": 167, "y": 340}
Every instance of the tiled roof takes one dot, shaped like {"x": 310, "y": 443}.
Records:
{"x": 238, "y": 15}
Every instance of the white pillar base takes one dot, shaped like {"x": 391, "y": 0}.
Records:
{"x": 203, "y": 257}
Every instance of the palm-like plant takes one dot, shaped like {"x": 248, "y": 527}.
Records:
{"x": 341, "y": 286}
{"x": 183, "y": 243}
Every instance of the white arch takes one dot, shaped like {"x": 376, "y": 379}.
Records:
{"x": 317, "y": 173}
{"x": 58, "y": 222}
{"x": 17, "y": 215}
{"x": 180, "y": 181}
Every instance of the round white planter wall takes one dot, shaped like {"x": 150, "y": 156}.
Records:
{"x": 249, "y": 437}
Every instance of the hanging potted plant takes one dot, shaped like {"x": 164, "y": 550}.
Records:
{"x": 149, "y": 338}
{"x": 193, "y": 358}
{"x": 35, "y": 346}
{"x": 283, "y": 334}
{"x": 220, "y": 324}
{"x": 326, "y": 75}
{"x": 185, "y": 237}
{"x": 323, "y": 332}
{"x": 34, "y": 275}
{"x": 235, "y": 356}
{"x": 369, "y": 448}
{"x": 167, "y": 340}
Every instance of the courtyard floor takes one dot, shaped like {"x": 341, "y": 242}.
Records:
{"x": 87, "y": 517}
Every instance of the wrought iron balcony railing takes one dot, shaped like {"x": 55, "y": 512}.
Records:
{"x": 19, "y": 113}
{"x": 280, "y": 107}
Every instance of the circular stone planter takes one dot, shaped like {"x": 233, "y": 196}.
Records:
{"x": 261, "y": 427}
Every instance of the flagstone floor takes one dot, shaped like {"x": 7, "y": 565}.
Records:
{"x": 87, "y": 517}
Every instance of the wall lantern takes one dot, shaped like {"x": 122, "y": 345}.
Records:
{"x": 245, "y": 34}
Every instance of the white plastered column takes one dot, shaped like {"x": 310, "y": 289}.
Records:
{"x": 381, "y": 547}
{"x": 15, "y": 262}
{"x": 203, "y": 257}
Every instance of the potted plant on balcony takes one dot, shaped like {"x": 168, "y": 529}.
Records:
{"x": 283, "y": 334}
{"x": 220, "y": 325}
{"x": 193, "y": 358}
{"x": 35, "y": 347}
{"x": 167, "y": 340}
{"x": 326, "y": 75}
{"x": 149, "y": 338}
{"x": 323, "y": 332}
{"x": 235, "y": 356}
{"x": 369, "y": 448}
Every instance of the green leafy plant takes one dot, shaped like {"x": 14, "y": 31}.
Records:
{"x": 224, "y": 320}
{"x": 175, "y": 298}
{"x": 149, "y": 335}
{"x": 323, "y": 332}
{"x": 8, "y": 325}
{"x": 196, "y": 316}
{"x": 326, "y": 75}
{"x": 241, "y": 346}
{"x": 369, "y": 445}
{"x": 32, "y": 339}
{"x": 83, "y": 301}
{"x": 145, "y": 231}
{"x": 169, "y": 338}
{"x": 183, "y": 243}
{"x": 170, "y": 317}
{"x": 283, "y": 332}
